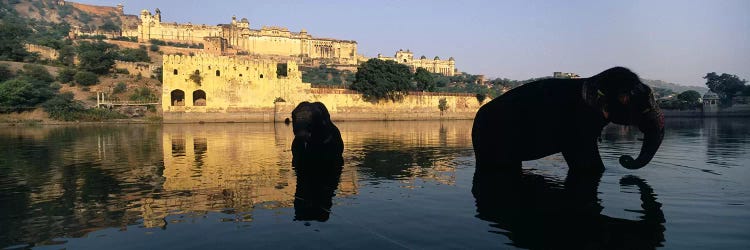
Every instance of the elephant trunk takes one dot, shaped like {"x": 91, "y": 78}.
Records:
{"x": 652, "y": 126}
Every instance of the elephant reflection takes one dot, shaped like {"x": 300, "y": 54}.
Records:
{"x": 534, "y": 212}
{"x": 317, "y": 181}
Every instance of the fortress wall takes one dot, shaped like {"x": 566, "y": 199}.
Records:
{"x": 43, "y": 51}
{"x": 247, "y": 90}
{"x": 136, "y": 68}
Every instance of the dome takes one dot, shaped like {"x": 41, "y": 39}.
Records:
{"x": 451, "y": 59}
{"x": 303, "y": 31}
{"x": 710, "y": 95}
{"x": 423, "y": 57}
{"x": 144, "y": 12}
{"x": 244, "y": 20}
{"x": 437, "y": 58}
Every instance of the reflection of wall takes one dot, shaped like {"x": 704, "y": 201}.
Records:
{"x": 240, "y": 166}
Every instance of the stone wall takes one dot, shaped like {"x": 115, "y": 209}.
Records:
{"x": 136, "y": 68}
{"x": 43, "y": 51}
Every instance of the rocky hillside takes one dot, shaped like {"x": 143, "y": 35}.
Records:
{"x": 88, "y": 17}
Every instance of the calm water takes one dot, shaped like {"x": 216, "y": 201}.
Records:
{"x": 403, "y": 185}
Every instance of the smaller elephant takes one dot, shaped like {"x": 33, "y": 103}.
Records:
{"x": 565, "y": 115}
{"x": 315, "y": 135}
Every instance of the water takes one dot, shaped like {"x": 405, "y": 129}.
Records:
{"x": 403, "y": 185}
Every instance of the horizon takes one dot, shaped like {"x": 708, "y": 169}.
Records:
{"x": 639, "y": 35}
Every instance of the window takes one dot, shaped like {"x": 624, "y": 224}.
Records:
{"x": 174, "y": 71}
{"x": 178, "y": 97}
{"x": 261, "y": 76}
{"x": 199, "y": 98}
{"x": 218, "y": 73}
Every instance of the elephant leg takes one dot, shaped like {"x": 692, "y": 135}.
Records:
{"x": 584, "y": 157}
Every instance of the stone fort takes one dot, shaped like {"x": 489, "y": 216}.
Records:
{"x": 445, "y": 67}
{"x": 269, "y": 40}
{"x": 211, "y": 88}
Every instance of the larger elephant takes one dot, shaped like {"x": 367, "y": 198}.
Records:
{"x": 566, "y": 115}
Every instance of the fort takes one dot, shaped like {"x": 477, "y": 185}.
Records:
{"x": 269, "y": 40}
{"x": 445, "y": 67}
{"x": 210, "y": 88}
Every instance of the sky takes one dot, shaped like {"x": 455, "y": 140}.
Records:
{"x": 677, "y": 41}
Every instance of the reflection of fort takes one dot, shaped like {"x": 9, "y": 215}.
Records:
{"x": 216, "y": 167}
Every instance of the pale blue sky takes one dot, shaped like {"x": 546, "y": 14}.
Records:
{"x": 675, "y": 41}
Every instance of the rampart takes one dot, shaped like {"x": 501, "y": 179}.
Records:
{"x": 43, "y": 51}
{"x": 136, "y": 68}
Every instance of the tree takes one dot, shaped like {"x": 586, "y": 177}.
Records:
{"x": 134, "y": 55}
{"x": 425, "y": 81}
{"x": 724, "y": 85}
{"x": 5, "y": 72}
{"x": 691, "y": 97}
{"x": 442, "y": 105}
{"x": 86, "y": 78}
{"x": 378, "y": 79}
{"x": 66, "y": 75}
{"x": 13, "y": 34}
{"x": 97, "y": 57}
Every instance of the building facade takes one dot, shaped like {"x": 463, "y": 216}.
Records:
{"x": 445, "y": 67}
{"x": 269, "y": 40}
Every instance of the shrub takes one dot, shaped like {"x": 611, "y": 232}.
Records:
{"x": 134, "y": 55}
{"x": 86, "y": 78}
{"x": 5, "y": 72}
{"x": 120, "y": 87}
{"x": 66, "y": 75}
{"x": 63, "y": 107}
{"x": 143, "y": 94}
{"x": 154, "y": 48}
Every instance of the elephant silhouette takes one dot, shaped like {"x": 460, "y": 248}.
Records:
{"x": 317, "y": 181}
{"x": 565, "y": 115}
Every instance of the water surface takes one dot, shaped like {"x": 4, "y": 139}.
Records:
{"x": 403, "y": 185}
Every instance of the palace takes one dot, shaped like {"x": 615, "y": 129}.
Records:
{"x": 277, "y": 41}
{"x": 445, "y": 67}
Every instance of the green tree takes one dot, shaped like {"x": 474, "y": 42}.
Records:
{"x": 442, "y": 105}
{"x": 63, "y": 107}
{"x": 378, "y": 79}
{"x": 86, "y": 78}
{"x": 36, "y": 72}
{"x": 66, "y": 55}
{"x": 134, "y": 55}
{"x": 66, "y": 75}
{"x": 29, "y": 89}
{"x": 5, "y": 72}
{"x": 424, "y": 79}
{"x": 13, "y": 34}
{"x": 690, "y": 97}
{"x": 724, "y": 85}
{"x": 97, "y": 57}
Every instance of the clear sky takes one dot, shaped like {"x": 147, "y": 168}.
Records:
{"x": 677, "y": 41}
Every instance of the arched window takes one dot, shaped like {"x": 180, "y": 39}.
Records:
{"x": 174, "y": 71}
{"x": 218, "y": 73}
{"x": 178, "y": 97}
{"x": 199, "y": 98}
{"x": 261, "y": 76}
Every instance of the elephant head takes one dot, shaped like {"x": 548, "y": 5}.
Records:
{"x": 625, "y": 100}
{"x": 311, "y": 122}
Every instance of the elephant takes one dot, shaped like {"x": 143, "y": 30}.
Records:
{"x": 554, "y": 115}
{"x": 315, "y": 135}
{"x": 538, "y": 212}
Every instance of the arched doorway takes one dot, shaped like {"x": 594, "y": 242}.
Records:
{"x": 199, "y": 98}
{"x": 178, "y": 97}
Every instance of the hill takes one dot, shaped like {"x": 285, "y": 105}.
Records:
{"x": 88, "y": 17}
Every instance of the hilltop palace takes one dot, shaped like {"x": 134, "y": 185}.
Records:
{"x": 271, "y": 41}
